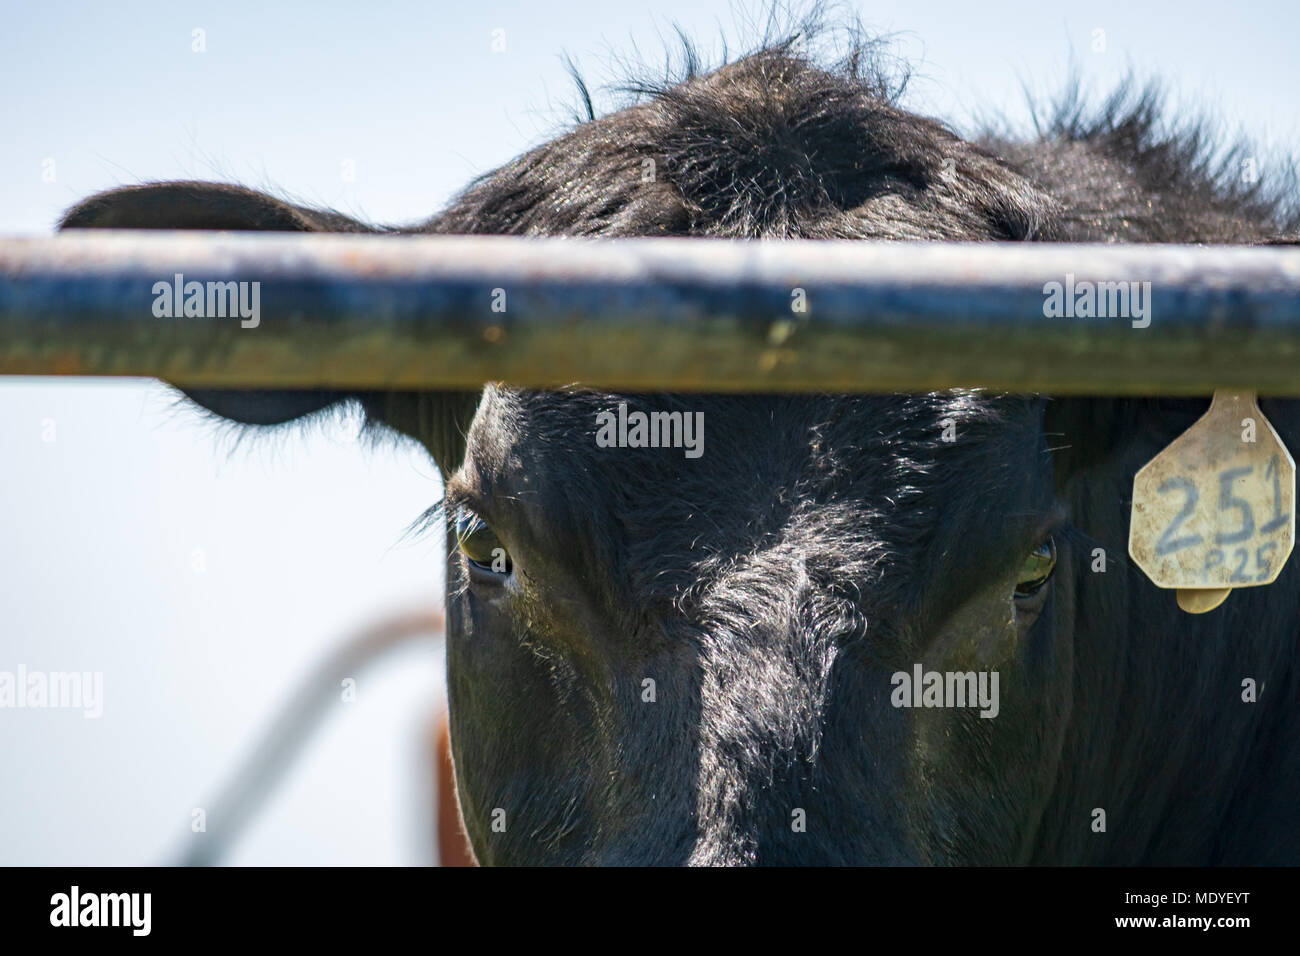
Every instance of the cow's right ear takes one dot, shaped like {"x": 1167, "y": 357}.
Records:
{"x": 197, "y": 205}
{"x": 439, "y": 420}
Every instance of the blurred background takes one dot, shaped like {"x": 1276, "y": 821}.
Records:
{"x": 205, "y": 574}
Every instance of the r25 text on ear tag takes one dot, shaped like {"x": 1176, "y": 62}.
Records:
{"x": 1216, "y": 509}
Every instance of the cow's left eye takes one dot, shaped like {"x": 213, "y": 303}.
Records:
{"x": 1036, "y": 570}
{"x": 480, "y": 545}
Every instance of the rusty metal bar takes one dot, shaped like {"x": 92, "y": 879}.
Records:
{"x": 651, "y": 314}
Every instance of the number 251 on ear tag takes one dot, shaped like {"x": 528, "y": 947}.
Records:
{"x": 1216, "y": 509}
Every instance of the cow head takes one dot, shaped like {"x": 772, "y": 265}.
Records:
{"x": 710, "y": 654}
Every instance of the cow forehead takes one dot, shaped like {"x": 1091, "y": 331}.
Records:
{"x": 849, "y": 486}
{"x": 725, "y": 440}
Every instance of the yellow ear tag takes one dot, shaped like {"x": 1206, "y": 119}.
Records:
{"x": 1216, "y": 509}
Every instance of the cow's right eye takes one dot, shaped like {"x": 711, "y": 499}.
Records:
{"x": 480, "y": 545}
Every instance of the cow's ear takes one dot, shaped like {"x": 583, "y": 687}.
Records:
{"x": 1079, "y": 432}
{"x": 196, "y": 205}
{"x": 438, "y": 420}
{"x": 1085, "y": 434}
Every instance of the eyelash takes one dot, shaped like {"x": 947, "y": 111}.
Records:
{"x": 480, "y": 545}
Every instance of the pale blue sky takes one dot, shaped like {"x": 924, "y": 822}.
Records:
{"x": 300, "y": 535}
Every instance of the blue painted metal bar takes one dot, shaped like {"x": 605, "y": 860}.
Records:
{"x": 650, "y": 314}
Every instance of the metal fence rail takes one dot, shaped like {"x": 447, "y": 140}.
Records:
{"x": 652, "y": 314}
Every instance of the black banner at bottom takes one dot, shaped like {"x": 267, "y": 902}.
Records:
{"x": 335, "y": 906}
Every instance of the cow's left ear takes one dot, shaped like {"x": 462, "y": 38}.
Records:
{"x": 1079, "y": 432}
{"x": 439, "y": 420}
{"x": 1090, "y": 433}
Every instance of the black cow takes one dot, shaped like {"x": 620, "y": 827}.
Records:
{"x": 659, "y": 658}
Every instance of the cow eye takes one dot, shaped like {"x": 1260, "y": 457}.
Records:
{"x": 1038, "y": 567}
{"x": 480, "y": 545}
